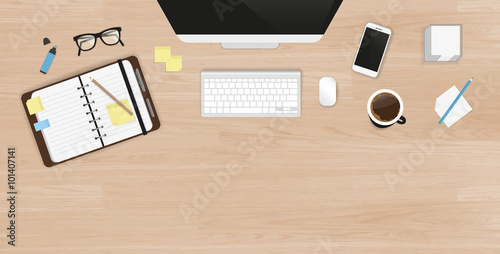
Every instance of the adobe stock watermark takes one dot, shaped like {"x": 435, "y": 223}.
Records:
{"x": 221, "y": 7}
{"x": 324, "y": 245}
{"x": 380, "y": 17}
{"x": 220, "y": 180}
{"x": 426, "y": 148}
{"x": 33, "y": 24}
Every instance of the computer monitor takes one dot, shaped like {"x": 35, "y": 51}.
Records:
{"x": 250, "y": 23}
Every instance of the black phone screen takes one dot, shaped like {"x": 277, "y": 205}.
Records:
{"x": 372, "y": 49}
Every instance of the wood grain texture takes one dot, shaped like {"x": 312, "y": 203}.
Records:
{"x": 314, "y": 184}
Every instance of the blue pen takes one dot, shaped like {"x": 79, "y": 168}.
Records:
{"x": 48, "y": 60}
{"x": 455, "y": 101}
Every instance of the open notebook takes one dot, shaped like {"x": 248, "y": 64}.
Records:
{"x": 76, "y": 117}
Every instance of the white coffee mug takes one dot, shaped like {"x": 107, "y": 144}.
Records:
{"x": 400, "y": 119}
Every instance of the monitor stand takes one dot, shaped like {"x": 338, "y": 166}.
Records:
{"x": 270, "y": 45}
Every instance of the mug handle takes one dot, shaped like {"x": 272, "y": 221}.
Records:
{"x": 401, "y": 120}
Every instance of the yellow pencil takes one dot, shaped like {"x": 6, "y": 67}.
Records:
{"x": 112, "y": 97}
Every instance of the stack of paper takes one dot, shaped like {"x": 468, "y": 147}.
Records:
{"x": 443, "y": 43}
{"x": 460, "y": 109}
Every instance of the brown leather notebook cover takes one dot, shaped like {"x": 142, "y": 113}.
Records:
{"x": 42, "y": 146}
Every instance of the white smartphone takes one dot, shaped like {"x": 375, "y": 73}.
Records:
{"x": 371, "y": 50}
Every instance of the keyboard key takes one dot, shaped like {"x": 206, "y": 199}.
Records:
{"x": 246, "y": 104}
{"x": 265, "y": 110}
{"x": 218, "y": 85}
{"x": 258, "y": 85}
{"x": 206, "y": 110}
{"x": 227, "y": 104}
{"x": 253, "y": 104}
{"x": 284, "y": 85}
{"x": 239, "y": 104}
{"x": 265, "y": 85}
{"x": 220, "y": 91}
{"x": 246, "y": 110}
{"x": 217, "y": 98}
{"x": 276, "y": 98}
{"x": 245, "y": 85}
{"x": 225, "y": 85}
{"x": 250, "y": 97}
{"x": 286, "y": 91}
{"x": 279, "y": 91}
{"x": 290, "y": 104}
{"x": 208, "y": 91}
{"x": 272, "y": 104}
{"x": 247, "y": 91}
{"x": 283, "y": 97}
{"x": 251, "y": 85}
{"x": 238, "y": 85}
{"x": 272, "y": 110}
{"x": 214, "y": 91}
{"x": 234, "y": 91}
{"x": 259, "y": 104}
{"x": 277, "y": 85}
{"x": 219, "y": 111}
{"x": 227, "y": 91}
{"x": 233, "y": 104}
{"x": 266, "y": 104}
{"x": 293, "y": 85}
{"x": 232, "y": 85}
{"x": 209, "y": 97}
{"x": 220, "y": 104}
{"x": 209, "y": 104}
{"x": 237, "y": 97}
{"x": 212, "y": 85}
{"x": 293, "y": 91}
{"x": 229, "y": 97}
{"x": 253, "y": 91}
{"x": 256, "y": 98}
{"x": 226, "y": 110}
{"x": 279, "y": 104}
{"x": 213, "y": 110}
{"x": 224, "y": 97}
{"x": 291, "y": 97}
{"x": 244, "y": 97}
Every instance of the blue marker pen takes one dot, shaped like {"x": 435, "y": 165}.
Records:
{"x": 48, "y": 60}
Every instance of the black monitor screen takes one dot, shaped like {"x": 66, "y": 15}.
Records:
{"x": 250, "y": 16}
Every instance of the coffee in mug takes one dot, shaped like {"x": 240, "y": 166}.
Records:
{"x": 385, "y": 108}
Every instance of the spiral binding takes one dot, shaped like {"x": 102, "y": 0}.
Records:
{"x": 96, "y": 138}
{"x": 94, "y": 120}
{"x": 80, "y": 87}
{"x": 86, "y": 104}
{"x": 91, "y": 121}
{"x": 93, "y": 111}
{"x": 86, "y": 95}
{"x": 100, "y": 127}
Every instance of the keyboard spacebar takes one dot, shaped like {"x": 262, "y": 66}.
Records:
{"x": 246, "y": 111}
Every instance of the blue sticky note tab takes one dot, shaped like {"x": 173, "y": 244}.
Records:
{"x": 42, "y": 125}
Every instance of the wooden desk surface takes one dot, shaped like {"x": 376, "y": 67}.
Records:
{"x": 327, "y": 182}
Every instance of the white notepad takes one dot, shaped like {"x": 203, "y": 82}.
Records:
{"x": 443, "y": 43}
{"x": 77, "y": 128}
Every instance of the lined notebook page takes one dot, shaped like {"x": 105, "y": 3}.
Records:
{"x": 70, "y": 133}
{"x": 111, "y": 78}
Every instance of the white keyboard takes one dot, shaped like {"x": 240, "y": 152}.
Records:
{"x": 250, "y": 93}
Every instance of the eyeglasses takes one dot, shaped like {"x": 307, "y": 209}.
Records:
{"x": 110, "y": 37}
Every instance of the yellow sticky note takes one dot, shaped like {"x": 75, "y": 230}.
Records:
{"x": 118, "y": 115}
{"x": 35, "y": 105}
{"x": 174, "y": 64}
{"x": 162, "y": 54}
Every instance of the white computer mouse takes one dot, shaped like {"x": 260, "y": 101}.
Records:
{"x": 327, "y": 91}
